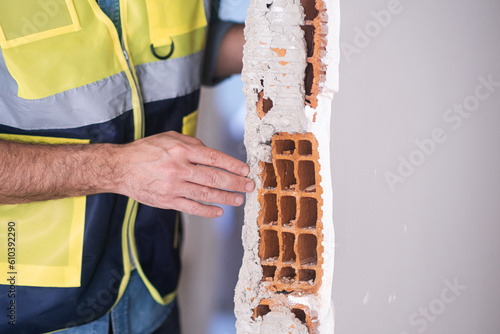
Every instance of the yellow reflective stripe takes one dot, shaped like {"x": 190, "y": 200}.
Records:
{"x": 152, "y": 290}
{"x": 42, "y": 140}
{"x": 48, "y": 237}
{"x": 44, "y": 13}
{"x": 174, "y": 18}
{"x": 130, "y": 214}
{"x": 189, "y": 124}
{"x": 169, "y": 298}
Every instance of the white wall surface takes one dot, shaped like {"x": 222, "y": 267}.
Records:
{"x": 399, "y": 249}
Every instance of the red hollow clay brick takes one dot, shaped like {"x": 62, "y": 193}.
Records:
{"x": 263, "y": 105}
{"x": 314, "y": 26}
{"x": 289, "y": 221}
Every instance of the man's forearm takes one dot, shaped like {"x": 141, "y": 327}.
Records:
{"x": 168, "y": 170}
{"x": 32, "y": 172}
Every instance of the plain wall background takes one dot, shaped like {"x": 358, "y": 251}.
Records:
{"x": 397, "y": 250}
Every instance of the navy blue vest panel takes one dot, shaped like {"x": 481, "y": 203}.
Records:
{"x": 102, "y": 262}
{"x": 155, "y": 228}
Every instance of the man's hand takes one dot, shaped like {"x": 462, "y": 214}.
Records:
{"x": 175, "y": 171}
{"x": 168, "y": 170}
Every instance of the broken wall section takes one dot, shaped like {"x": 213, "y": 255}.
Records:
{"x": 290, "y": 67}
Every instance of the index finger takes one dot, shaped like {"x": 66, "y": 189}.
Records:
{"x": 210, "y": 157}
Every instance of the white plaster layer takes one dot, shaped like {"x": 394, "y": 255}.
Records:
{"x": 276, "y": 25}
{"x": 282, "y": 321}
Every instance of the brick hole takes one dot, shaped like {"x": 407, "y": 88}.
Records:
{"x": 309, "y": 31}
{"x": 287, "y": 273}
{"x": 288, "y": 253}
{"x": 305, "y": 147}
{"x": 269, "y": 244}
{"x": 299, "y": 314}
{"x": 260, "y": 311}
{"x": 310, "y": 10}
{"x": 305, "y": 275}
{"x": 284, "y": 146}
{"x": 269, "y": 176}
{"x": 306, "y": 246}
{"x": 309, "y": 79}
{"x": 288, "y": 210}
{"x": 308, "y": 212}
{"x": 268, "y": 273}
{"x": 263, "y": 105}
{"x": 307, "y": 175}
{"x": 270, "y": 209}
{"x": 286, "y": 173}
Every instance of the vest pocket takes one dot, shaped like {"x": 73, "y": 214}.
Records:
{"x": 45, "y": 239}
{"x": 26, "y": 21}
{"x": 174, "y": 18}
{"x": 189, "y": 124}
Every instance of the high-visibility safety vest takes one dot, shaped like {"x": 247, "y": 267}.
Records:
{"x": 66, "y": 77}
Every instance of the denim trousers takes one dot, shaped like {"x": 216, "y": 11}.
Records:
{"x": 136, "y": 313}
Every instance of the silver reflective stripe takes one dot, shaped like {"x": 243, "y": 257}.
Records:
{"x": 97, "y": 102}
{"x": 170, "y": 78}
{"x": 7, "y": 83}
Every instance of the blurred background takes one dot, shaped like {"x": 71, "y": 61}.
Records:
{"x": 416, "y": 175}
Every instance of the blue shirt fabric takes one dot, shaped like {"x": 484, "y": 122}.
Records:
{"x": 112, "y": 9}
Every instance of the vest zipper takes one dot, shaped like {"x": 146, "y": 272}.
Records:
{"x": 133, "y": 260}
{"x": 136, "y": 88}
{"x": 121, "y": 51}
{"x": 138, "y": 133}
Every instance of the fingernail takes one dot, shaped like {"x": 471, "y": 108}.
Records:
{"x": 249, "y": 186}
{"x": 220, "y": 212}
{"x": 238, "y": 200}
{"x": 245, "y": 170}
